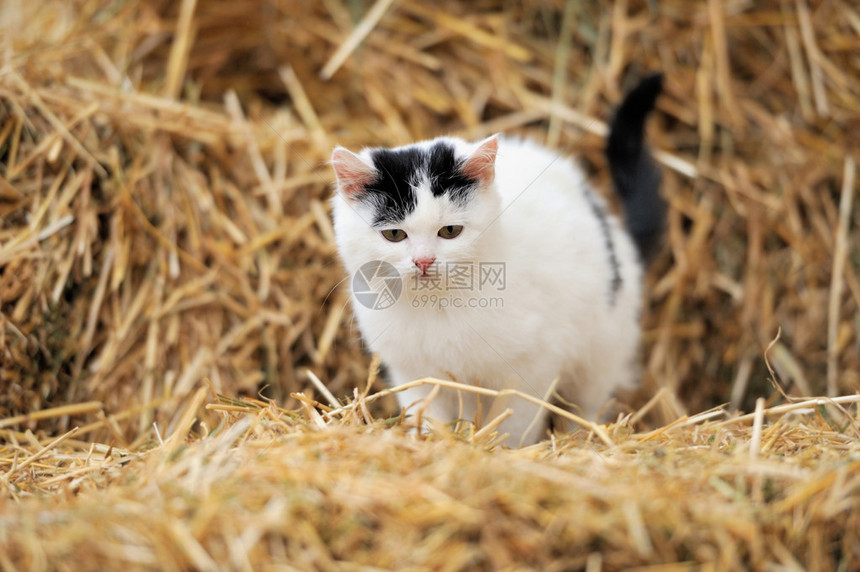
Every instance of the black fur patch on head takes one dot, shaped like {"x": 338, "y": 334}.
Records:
{"x": 398, "y": 170}
{"x": 446, "y": 177}
{"x": 391, "y": 192}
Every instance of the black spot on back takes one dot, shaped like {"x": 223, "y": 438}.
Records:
{"x": 399, "y": 169}
{"x": 616, "y": 281}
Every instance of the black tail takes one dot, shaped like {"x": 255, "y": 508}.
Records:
{"x": 636, "y": 177}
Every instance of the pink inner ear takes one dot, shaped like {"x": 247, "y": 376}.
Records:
{"x": 481, "y": 164}
{"x": 353, "y": 174}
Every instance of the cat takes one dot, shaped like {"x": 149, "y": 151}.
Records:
{"x": 493, "y": 263}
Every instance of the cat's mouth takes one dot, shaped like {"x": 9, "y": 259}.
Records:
{"x": 429, "y": 273}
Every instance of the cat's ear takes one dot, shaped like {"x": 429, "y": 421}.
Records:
{"x": 353, "y": 174}
{"x": 481, "y": 163}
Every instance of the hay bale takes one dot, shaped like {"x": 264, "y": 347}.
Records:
{"x": 163, "y": 221}
{"x": 164, "y": 203}
{"x": 336, "y": 490}
{"x": 151, "y": 239}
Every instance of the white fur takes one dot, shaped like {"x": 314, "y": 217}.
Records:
{"x": 557, "y": 316}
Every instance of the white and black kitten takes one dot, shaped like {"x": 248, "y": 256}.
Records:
{"x": 494, "y": 264}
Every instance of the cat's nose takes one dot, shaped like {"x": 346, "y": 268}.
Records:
{"x": 423, "y": 263}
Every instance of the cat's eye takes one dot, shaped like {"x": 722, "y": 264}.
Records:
{"x": 451, "y": 231}
{"x": 393, "y": 234}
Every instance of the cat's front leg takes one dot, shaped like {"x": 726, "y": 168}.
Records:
{"x": 525, "y": 426}
{"x": 528, "y": 423}
{"x": 444, "y": 406}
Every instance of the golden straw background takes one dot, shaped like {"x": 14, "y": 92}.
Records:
{"x": 181, "y": 384}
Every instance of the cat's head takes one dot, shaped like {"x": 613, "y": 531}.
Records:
{"x": 417, "y": 207}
